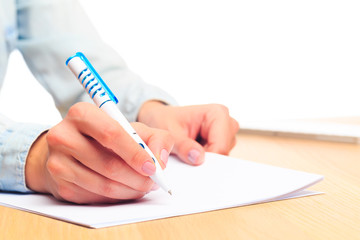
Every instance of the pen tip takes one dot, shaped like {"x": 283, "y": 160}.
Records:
{"x": 170, "y": 192}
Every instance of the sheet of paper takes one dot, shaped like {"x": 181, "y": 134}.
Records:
{"x": 221, "y": 182}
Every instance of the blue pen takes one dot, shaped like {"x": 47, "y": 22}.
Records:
{"x": 105, "y": 100}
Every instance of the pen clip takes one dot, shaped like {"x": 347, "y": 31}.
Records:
{"x": 94, "y": 72}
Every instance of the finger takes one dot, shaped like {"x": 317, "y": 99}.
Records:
{"x": 220, "y": 142}
{"x": 93, "y": 122}
{"x": 107, "y": 163}
{"x": 219, "y": 133}
{"x": 70, "y": 192}
{"x": 74, "y": 172}
{"x": 96, "y": 157}
{"x": 160, "y": 142}
{"x": 110, "y": 165}
{"x": 188, "y": 150}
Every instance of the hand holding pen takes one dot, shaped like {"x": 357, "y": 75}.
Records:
{"x": 86, "y": 161}
{"x": 103, "y": 97}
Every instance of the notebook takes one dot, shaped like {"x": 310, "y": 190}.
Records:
{"x": 221, "y": 182}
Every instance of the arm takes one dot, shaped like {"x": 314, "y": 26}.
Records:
{"x": 41, "y": 44}
{"x": 52, "y": 31}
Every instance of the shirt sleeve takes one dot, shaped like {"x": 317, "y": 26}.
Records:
{"x": 15, "y": 142}
{"x": 50, "y": 31}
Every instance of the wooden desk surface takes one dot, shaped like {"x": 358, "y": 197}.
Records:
{"x": 333, "y": 215}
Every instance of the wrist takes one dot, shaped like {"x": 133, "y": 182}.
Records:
{"x": 148, "y": 109}
{"x": 35, "y": 165}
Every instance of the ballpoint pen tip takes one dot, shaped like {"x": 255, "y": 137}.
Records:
{"x": 170, "y": 192}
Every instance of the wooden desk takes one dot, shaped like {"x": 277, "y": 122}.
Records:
{"x": 334, "y": 215}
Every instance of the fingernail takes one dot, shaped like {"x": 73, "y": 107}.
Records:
{"x": 164, "y": 156}
{"x": 154, "y": 187}
{"x": 149, "y": 168}
{"x": 193, "y": 156}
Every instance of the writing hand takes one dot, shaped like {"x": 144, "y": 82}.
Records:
{"x": 89, "y": 158}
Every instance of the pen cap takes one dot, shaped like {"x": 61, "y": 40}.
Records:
{"x": 89, "y": 80}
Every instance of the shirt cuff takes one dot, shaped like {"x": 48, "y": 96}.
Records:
{"x": 15, "y": 143}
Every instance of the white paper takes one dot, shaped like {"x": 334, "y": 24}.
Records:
{"x": 221, "y": 182}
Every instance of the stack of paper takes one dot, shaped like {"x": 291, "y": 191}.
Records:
{"x": 221, "y": 182}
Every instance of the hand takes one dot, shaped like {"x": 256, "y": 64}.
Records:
{"x": 89, "y": 158}
{"x": 195, "y": 129}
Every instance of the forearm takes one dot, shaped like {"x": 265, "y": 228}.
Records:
{"x": 52, "y": 31}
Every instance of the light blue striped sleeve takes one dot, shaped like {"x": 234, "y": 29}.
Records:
{"x": 15, "y": 141}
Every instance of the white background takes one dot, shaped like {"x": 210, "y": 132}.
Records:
{"x": 263, "y": 59}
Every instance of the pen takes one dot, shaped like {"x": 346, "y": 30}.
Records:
{"x": 106, "y": 100}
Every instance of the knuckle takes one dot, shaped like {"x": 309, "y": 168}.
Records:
{"x": 110, "y": 133}
{"x": 166, "y": 135}
{"x": 112, "y": 168}
{"x": 221, "y": 108}
{"x": 138, "y": 158}
{"x": 54, "y": 166}
{"x": 145, "y": 185}
{"x": 77, "y": 110}
{"x": 163, "y": 135}
{"x": 168, "y": 139}
{"x": 108, "y": 189}
{"x": 54, "y": 136}
{"x": 65, "y": 192}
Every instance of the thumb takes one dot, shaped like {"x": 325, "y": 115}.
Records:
{"x": 188, "y": 150}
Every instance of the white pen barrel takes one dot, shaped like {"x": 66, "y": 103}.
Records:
{"x": 111, "y": 109}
